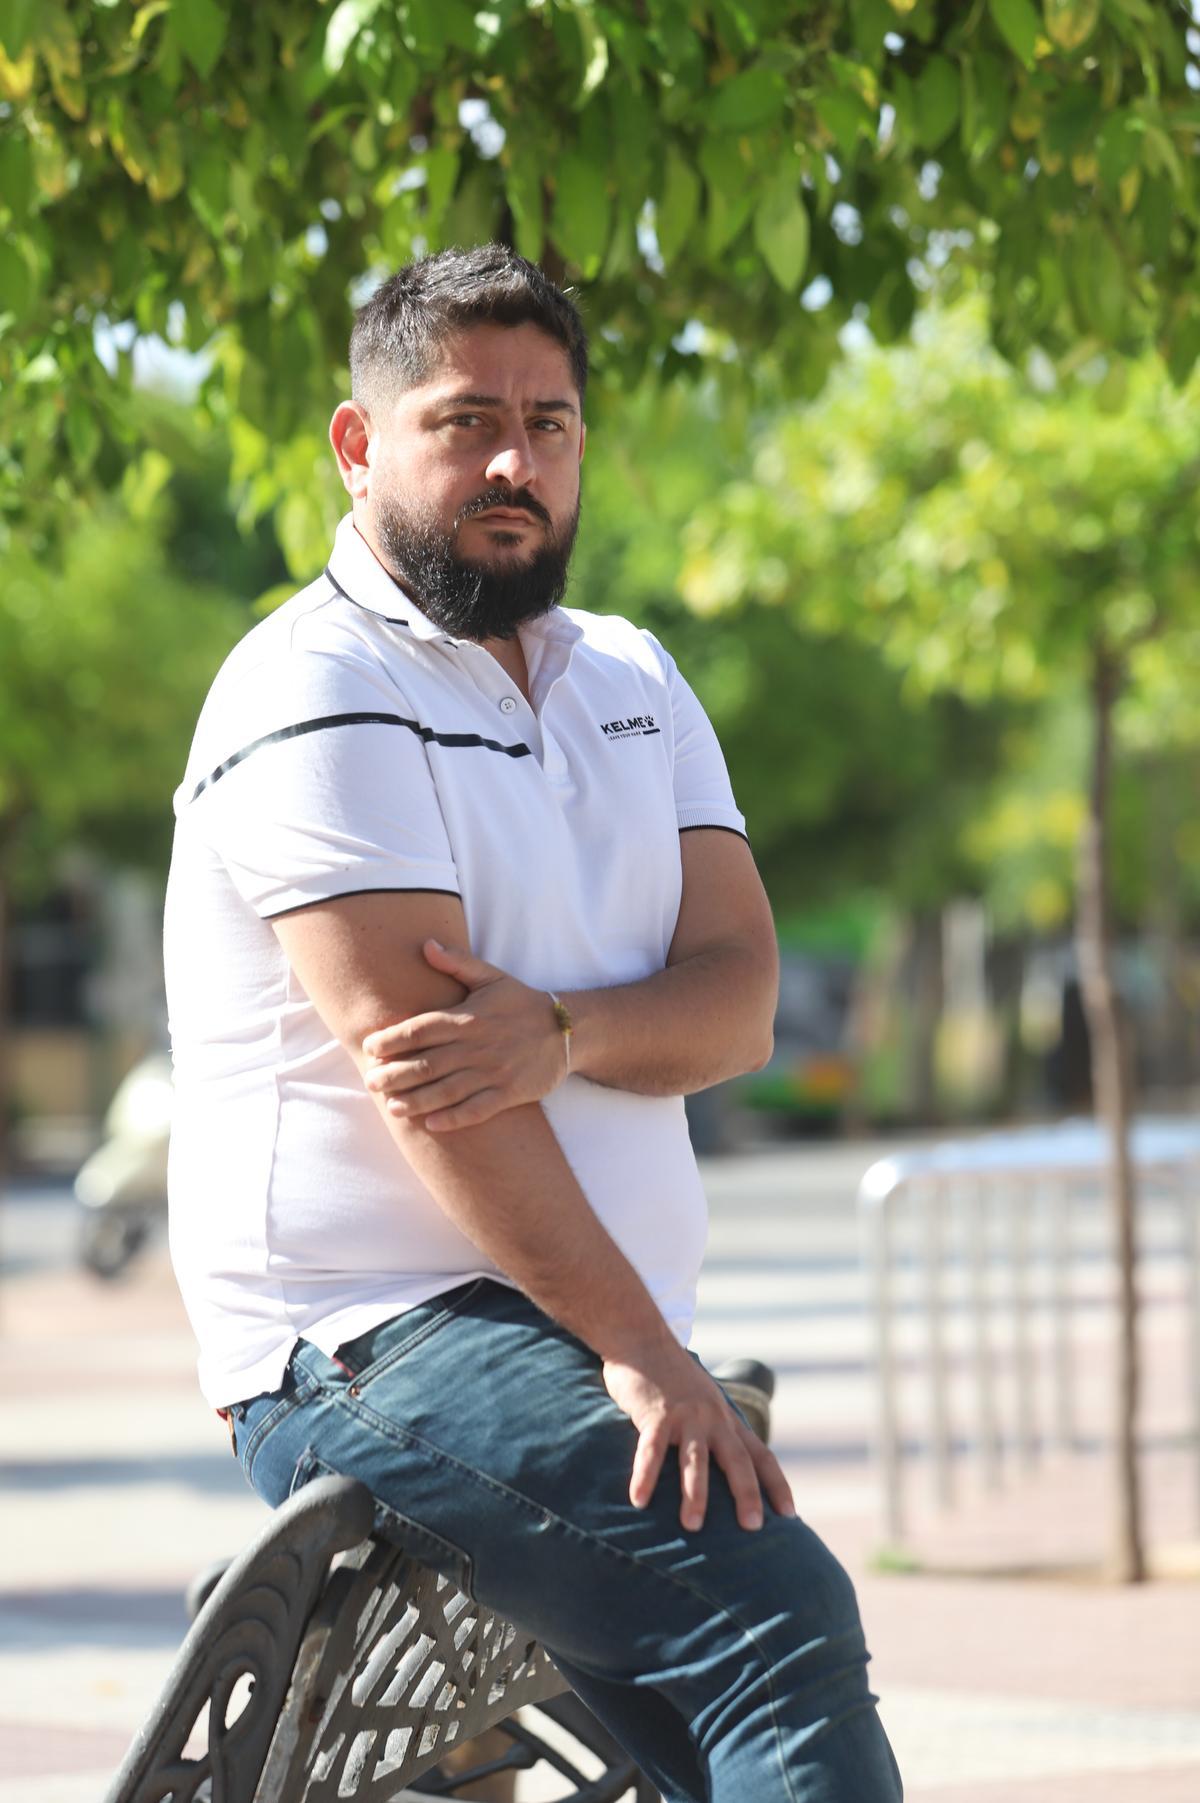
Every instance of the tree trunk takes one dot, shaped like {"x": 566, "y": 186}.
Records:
{"x": 928, "y": 1005}
{"x": 5, "y": 1017}
{"x": 1111, "y": 1084}
{"x": 1005, "y": 977}
{"x": 1169, "y": 1029}
{"x": 5, "y": 993}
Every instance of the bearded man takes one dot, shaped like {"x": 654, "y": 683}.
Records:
{"x": 461, "y": 907}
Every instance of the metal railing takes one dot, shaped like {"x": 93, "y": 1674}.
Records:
{"x": 982, "y": 1257}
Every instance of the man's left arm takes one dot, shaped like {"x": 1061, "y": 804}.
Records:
{"x": 706, "y": 1016}
{"x": 709, "y": 1014}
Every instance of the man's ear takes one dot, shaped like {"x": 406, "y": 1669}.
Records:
{"x": 350, "y": 436}
{"x": 582, "y": 440}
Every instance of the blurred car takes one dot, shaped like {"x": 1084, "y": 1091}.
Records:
{"x": 810, "y": 1075}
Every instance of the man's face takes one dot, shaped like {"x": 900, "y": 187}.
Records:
{"x": 473, "y": 491}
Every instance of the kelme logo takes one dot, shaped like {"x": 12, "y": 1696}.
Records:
{"x": 636, "y": 726}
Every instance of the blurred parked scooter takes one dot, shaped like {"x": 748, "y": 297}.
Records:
{"x": 122, "y": 1187}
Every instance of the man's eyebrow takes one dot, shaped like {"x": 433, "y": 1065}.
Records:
{"x": 495, "y": 400}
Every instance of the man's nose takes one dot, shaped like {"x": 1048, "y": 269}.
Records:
{"x": 512, "y": 462}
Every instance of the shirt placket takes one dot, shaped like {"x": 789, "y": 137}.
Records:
{"x": 516, "y": 719}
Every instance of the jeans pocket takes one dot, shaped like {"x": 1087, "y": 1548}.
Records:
{"x": 412, "y": 1537}
{"x": 377, "y": 1350}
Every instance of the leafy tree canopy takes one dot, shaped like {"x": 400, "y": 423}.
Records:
{"x": 993, "y": 540}
{"x": 847, "y": 784}
{"x": 989, "y": 535}
{"x": 105, "y": 655}
{"x": 727, "y": 181}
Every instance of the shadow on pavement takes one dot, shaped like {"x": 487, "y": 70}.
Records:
{"x": 88, "y": 1615}
{"x": 206, "y": 1472}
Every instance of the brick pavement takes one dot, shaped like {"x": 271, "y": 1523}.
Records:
{"x": 996, "y": 1689}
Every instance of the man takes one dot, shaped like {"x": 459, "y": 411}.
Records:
{"x": 460, "y": 908}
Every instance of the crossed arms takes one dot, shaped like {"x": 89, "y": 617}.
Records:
{"x": 458, "y": 1057}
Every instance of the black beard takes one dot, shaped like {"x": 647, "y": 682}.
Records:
{"x": 472, "y": 598}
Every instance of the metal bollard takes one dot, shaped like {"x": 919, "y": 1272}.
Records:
{"x": 1189, "y": 1193}
{"x": 1022, "y": 1350}
{"x": 983, "y": 1360}
{"x": 996, "y": 1181}
{"x": 1060, "y": 1316}
{"x": 935, "y": 1319}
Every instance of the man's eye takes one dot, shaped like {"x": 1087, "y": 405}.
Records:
{"x": 466, "y": 419}
{"x": 549, "y": 425}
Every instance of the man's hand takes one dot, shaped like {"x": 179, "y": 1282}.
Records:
{"x": 499, "y": 1048}
{"x": 672, "y": 1401}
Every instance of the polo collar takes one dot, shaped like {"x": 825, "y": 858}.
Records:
{"x": 354, "y": 569}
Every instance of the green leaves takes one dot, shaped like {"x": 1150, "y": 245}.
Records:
{"x": 73, "y": 634}
{"x": 18, "y": 277}
{"x": 441, "y": 175}
{"x": 935, "y": 101}
{"x": 526, "y": 199}
{"x": 1183, "y": 342}
{"x": 752, "y": 98}
{"x": 781, "y": 230}
{"x": 595, "y": 54}
{"x": 16, "y": 25}
{"x": 164, "y": 176}
{"x": 984, "y": 103}
{"x": 845, "y": 118}
{"x": 16, "y": 173}
{"x": 345, "y": 23}
{"x": 580, "y": 217}
{"x": 730, "y": 193}
{"x": 199, "y": 27}
{"x": 930, "y": 503}
{"x": 1019, "y": 26}
{"x": 183, "y": 150}
{"x": 678, "y": 205}
{"x": 1070, "y": 23}
{"x": 1071, "y": 125}
{"x": 208, "y": 189}
{"x": 82, "y": 431}
{"x": 60, "y": 51}
{"x": 1097, "y": 280}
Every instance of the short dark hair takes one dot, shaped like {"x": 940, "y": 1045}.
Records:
{"x": 399, "y": 332}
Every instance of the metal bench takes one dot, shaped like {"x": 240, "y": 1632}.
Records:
{"x": 325, "y": 1664}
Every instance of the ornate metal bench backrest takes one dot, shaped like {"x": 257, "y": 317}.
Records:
{"x": 361, "y": 1676}
{"x": 397, "y": 1668}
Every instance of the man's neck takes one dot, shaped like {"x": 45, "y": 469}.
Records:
{"x": 510, "y": 655}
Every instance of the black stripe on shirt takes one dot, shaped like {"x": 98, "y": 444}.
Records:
{"x": 707, "y": 826}
{"x": 346, "y": 596}
{"x": 427, "y": 735}
{"x": 390, "y": 889}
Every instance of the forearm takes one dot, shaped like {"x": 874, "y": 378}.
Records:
{"x": 693, "y": 1024}
{"x": 508, "y": 1187}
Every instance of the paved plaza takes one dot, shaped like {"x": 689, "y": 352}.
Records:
{"x": 1008, "y": 1671}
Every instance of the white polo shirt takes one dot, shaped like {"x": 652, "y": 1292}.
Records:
{"x": 348, "y": 744}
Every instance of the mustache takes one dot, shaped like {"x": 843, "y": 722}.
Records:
{"x": 504, "y": 497}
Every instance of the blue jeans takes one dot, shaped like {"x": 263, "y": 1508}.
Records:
{"x": 729, "y": 1663}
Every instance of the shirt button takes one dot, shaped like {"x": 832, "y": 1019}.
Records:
{"x": 508, "y": 705}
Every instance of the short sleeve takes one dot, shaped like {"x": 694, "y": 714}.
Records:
{"x": 318, "y": 786}
{"x": 703, "y": 794}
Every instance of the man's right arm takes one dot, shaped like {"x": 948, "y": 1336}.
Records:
{"x": 507, "y": 1185}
